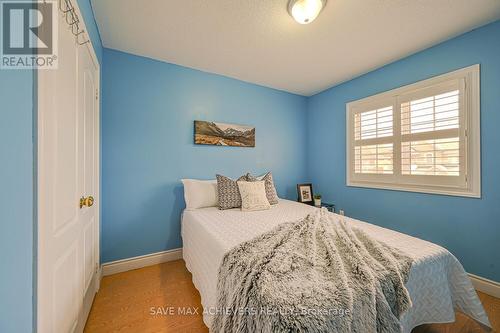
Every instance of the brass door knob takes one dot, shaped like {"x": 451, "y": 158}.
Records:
{"x": 88, "y": 201}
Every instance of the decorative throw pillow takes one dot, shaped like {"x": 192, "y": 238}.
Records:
{"x": 272, "y": 195}
{"x": 228, "y": 192}
{"x": 253, "y": 195}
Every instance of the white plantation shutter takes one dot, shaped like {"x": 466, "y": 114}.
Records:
{"x": 439, "y": 157}
{"x": 373, "y": 124}
{"x": 418, "y": 137}
{"x": 374, "y": 159}
{"x": 432, "y": 134}
{"x": 372, "y": 134}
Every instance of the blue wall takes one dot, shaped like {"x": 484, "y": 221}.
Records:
{"x": 469, "y": 228}
{"x": 16, "y": 200}
{"x": 147, "y": 126}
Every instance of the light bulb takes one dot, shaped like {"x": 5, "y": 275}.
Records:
{"x": 305, "y": 11}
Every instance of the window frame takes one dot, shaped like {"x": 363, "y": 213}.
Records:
{"x": 468, "y": 184}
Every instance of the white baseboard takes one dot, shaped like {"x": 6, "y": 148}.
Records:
{"x": 486, "y": 286}
{"x": 141, "y": 261}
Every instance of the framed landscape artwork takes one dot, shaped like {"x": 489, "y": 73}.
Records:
{"x": 222, "y": 134}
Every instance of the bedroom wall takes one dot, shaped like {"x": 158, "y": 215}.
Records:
{"x": 16, "y": 201}
{"x": 147, "y": 136}
{"x": 469, "y": 228}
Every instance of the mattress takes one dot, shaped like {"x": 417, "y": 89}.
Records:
{"x": 437, "y": 282}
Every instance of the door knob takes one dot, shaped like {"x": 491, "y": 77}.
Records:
{"x": 88, "y": 201}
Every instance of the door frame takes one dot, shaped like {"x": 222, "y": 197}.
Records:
{"x": 40, "y": 110}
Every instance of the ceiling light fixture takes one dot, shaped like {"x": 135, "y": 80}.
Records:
{"x": 305, "y": 11}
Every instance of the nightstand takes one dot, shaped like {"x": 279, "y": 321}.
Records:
{"x": 330, "y": 207}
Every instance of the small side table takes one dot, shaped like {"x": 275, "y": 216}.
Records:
{"x": 330, "y": 207}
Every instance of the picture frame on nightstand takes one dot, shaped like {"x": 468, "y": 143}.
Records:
{"x": 305, "y": 193}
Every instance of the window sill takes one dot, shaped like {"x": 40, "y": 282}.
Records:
{"x": 419, "y": 189}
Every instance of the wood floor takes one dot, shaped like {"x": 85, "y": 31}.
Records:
{"x": 147, "y": 300}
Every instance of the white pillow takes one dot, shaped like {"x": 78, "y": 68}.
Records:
{"x": 200, "y": 193}
{"x": 253, "y": 195}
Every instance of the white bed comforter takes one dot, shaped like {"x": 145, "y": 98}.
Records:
{"x": 437, "y": 284}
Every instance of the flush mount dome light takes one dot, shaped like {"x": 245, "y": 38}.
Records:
{"x": 305, "y": 11}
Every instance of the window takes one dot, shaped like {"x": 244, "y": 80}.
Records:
{"x": 423, "y": 137}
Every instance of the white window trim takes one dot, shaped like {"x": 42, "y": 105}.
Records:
{"x": 471, "y": 77}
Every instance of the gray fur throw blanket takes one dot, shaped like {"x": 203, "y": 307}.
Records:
{"x": 313, "y": 275}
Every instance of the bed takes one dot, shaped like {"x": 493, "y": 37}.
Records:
{"x": 437, "y": 282}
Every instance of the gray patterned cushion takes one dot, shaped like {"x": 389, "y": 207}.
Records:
{"x": 228, "y": 192}
{"x": 271, "y": 194}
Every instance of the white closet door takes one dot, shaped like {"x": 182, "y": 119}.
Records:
{"x": 60, "y": 182}
{"x": 68, "y": 148}
{"x": 88, "y": 150}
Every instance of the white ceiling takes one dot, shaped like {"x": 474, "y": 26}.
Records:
{"x": 257, "y": 41}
